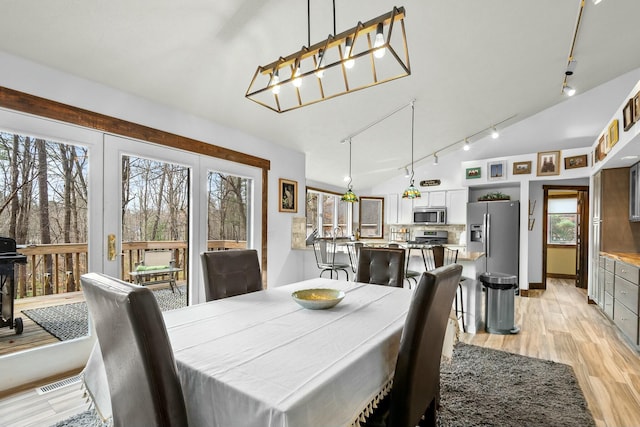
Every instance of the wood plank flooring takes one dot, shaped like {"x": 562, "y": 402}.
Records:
{"x": 556, "y": 324}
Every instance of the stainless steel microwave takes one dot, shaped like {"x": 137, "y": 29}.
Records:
{"x": 427, "y": 215}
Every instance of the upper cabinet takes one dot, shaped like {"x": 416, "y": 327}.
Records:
{"x": 400, "y": 211}
{"x": 457, "y": 207}
{"x": 634, "y": 192}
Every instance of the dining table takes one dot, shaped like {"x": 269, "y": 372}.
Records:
{"x": 261, "y": 359}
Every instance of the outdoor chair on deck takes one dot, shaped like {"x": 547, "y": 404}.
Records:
{"x": 415, "y": 393}
{"x": 138, "y": 358}
{"x": 156, "y": 267}
{"x": 230, "y": 273}
{"x": 381, "y": 266}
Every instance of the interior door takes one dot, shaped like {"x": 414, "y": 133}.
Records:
{"x": 582, "y": 240}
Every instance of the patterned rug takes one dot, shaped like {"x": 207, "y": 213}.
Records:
{"x": 484, "y": 387}
{"x": 69, "y": 321}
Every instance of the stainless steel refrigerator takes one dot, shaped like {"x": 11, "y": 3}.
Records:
{"x": 494, "y": 228}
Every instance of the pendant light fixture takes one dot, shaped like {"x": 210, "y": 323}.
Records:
{"x": 369, "y": 54}
{"x": 349, "y": 196}
{"x": 412, "y": 192}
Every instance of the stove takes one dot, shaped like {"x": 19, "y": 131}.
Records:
{"x": 430, "y": 237}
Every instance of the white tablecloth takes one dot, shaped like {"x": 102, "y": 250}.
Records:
{"x": 262, "y": 360}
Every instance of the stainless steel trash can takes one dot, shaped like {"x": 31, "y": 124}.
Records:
{"x": 499, "y": 301}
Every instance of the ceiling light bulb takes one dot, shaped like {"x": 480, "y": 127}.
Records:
{"x": 348, "y": 44}
{"x": 466, "y": 147}
{"x": 275, "y": 79}
{"x": 379, "y": 42}
{"x": 297, "y": 81}
{"x": 596, "y": 1}
{"x": 347, "y": 178}
{"x": 494, "y": 133}
{"x": 406, "y": 173}
{"x": 319, "y": 70}
{"x": 568, "y": 90}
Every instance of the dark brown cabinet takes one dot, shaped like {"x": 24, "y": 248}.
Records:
{"x": 634, "y": 193}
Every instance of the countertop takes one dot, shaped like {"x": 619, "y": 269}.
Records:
{"x": 628, "y": 257}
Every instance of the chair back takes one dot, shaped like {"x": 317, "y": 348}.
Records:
{"x": 450, "y": 256}
{"x": 416, "y": 383}
{"x": 138, "y": 359}
{"x": 429, "y": 259}
{"x": 231, "y": 272}
{"x": 381, "y": 266}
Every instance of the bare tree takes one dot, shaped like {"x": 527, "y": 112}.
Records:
{"x": 43, "y": 196}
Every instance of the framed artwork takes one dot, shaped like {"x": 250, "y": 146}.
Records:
{"x": 497, "y": 170}
{"x": 288, "y": 195}
{"x": 636, "y": 108}
{"x": 600, "y": 149}
{"x": 613, "y": 134}
{"x": 473, "y": 173}
{"x": 522, "y": 168}
{"x": 627, "y": 115}
{"x": 575, "y": 162}
{"x": 548, "y": 163}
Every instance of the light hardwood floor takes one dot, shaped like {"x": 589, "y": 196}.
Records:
{"x": 556, "y": 324}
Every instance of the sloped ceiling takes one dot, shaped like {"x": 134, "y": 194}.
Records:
{"x": 474, "y": 64}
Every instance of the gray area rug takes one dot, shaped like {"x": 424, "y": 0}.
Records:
{"x": 484, "y": 387}
{"x": 69, "y": 321}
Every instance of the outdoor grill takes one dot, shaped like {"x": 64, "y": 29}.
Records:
{"x": 8, "y": 258}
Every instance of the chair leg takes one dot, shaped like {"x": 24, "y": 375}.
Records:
{"x": 460, "y": 314}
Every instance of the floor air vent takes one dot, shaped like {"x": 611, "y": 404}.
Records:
{"x": 58, "y": 384}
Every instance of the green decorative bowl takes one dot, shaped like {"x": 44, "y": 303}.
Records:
{"x": 318, "y": 299}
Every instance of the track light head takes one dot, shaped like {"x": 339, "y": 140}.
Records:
{"x": 568, "y": 90}
{"x": 494, "y": 133}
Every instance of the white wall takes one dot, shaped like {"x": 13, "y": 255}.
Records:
{"x": 25, "y": 76}
{"x": 284, "y": 264}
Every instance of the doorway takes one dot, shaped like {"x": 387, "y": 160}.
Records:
{"x": 565, "y": 234}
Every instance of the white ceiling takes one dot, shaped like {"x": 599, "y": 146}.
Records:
{"x": 474, "y": 64}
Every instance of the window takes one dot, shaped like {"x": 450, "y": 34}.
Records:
{"x": 328, "y": 214}
{"x": 562, "y": 218}
{"x": 372, "y": 217}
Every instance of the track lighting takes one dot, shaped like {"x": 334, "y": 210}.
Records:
{"x": 406, "y": 173}
{"x": 435, "y": 158}
{"x": 568, "y": 90}
{"x": 466, "y": 147}
{"x": 494, "y": 133}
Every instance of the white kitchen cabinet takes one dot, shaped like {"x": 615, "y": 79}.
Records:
{"x": 456, "y": 207}
{"x": 437, "y": 198}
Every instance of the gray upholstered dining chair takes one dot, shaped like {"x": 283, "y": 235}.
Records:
{"x": 138, "y": 359}
{"x": 411, "y": 276}
{"x": 381, "y": 266}
{"x": 229, "y": 273}
{"x": 415, "y": 392}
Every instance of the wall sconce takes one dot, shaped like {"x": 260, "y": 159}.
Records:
{"x": 366, "y": 55}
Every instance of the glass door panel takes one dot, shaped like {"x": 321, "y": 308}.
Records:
{"x": 228, "y": 211}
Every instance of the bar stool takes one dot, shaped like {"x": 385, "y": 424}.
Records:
{"x": 450, "y": 256}
{"x": 409, "y": 275}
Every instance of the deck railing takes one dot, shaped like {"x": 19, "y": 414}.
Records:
{"x": 56, "y": 268}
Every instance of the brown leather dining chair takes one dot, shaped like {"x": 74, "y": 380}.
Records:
{"x": 229, "y": 273}
{"x": 140, "y": 367}
{"x": 381, "y": 266}
{"x": 415, "y": 392}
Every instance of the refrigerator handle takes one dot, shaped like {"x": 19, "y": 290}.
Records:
{"x": 488, "y": 236}
{"x": 484, "y": 233}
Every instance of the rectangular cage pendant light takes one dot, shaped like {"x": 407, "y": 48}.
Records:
{"x": 366, "y": 55}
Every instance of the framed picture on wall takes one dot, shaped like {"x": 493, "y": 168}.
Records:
{"x": 636, "y": 107}
{"x": 575, "y": 162}
{"x": 627, "y": 116}
{"x": 473, "y": 173}
{"x": 548, "y": 163}
{"x": 497, "y": 170}
{"x": 613, "y": 134}
{"x": 288, "y": 195}
{"x": 521, "y": 168}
